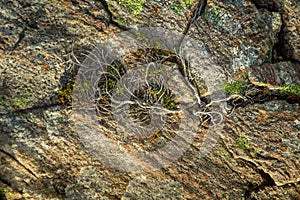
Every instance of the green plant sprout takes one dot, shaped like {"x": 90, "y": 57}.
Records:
{"x": 122, "y": 21}
{"x": 243, "y": 144}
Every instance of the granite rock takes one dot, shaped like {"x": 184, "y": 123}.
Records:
{"x": 254, "y": 156}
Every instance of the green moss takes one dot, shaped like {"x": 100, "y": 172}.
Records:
{"x": 169, "y": 102}
{"x": 226, "y": 154}
{"x": 213, "y": 15}
{"x": 178, "y": 7}
{"x": 235, "y": 87}
{"x": 6, "y": 194}
{"x": 238, "y": 87}
{"x": 3, "y": 190}
{"x": 291, "y": 90}
{"x": 122, "y": 21}
{"x": 2, "y": 193}
{"x": 21, "y": 101}
{"x": 244, "y": 144}
{"x": 186, "y": 3}
{"x": 2, "y": 102}
{"x": 134, "y": 6}
{"x": 115, "y": 72}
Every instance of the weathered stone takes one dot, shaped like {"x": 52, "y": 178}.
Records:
{"x": 256, "y": 155}
{"x": 237, "y": 35}
{"x": 36, "y": 48}
{"x": 275, "y": 75}
{"x": 42, "y": 158}
{"x": 267, "y": 137}
{"x": 172, "y": 15}
{"x": 289, "y": 46}
{"x": 259, "y": 147}
{"x": 143, "y": 188}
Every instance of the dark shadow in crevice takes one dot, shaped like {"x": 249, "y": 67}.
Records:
{"x": 270, "y": 5}
{"x": 111, "y": 17}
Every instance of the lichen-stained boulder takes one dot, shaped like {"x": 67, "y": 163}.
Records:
{"x": 38, "y": 39}
{"x": 172, "y": 15}
{"x": 42, "y": 158}
{"x": 257, "y": 155}
{"x": 237, "y": 35}
{"x": 267, "y": 137}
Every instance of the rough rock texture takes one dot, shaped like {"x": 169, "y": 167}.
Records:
{"x": 237, "y": 35}
{"x": 171, "y": 15}
{"x": 257, "y": 153}
{"x": 289, "y": 45}
{"x": 37, "y": 42}
{"x": 275, "y": 75}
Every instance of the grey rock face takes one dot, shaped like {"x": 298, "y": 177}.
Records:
{"x": 290, "y": 9}
{"x": 237, "y": 36}
{"x": 171, "y": 15}
{"x": 256, "y": 155}
{"x": 275, "y": 75}
{"x": 141, "y": 188}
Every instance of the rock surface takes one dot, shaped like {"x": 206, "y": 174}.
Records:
{"x": 275, "y": 75}
{"x": 289, "y": 46}
{"x": 237, "y": 35}
{"x": 171, "y": 15}
{"x": 255, "y": 156}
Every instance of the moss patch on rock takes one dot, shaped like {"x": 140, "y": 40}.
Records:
{"x": 213, "y": 15}
{"x": 290, "y": 90}
{"x": 134, "y": 6}
{"x": 178, "y": 7}
{"x": 21, "y": 101}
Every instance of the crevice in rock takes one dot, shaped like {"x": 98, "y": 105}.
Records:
{"x": 19, "y": 163}
{"x": 267, "y": 4}
{"x": 21, "y": 36}
{"x": 111, "y": 17}
{"x": 279, "y": 48}
{"x": 5, "y": 182}
{"x": 261, "y": 96}
{"x": 278, "y": 53}
{"x": 46, "y": 106}
{"x": 197, "y": 13}
{"x": 268, "y": 181}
